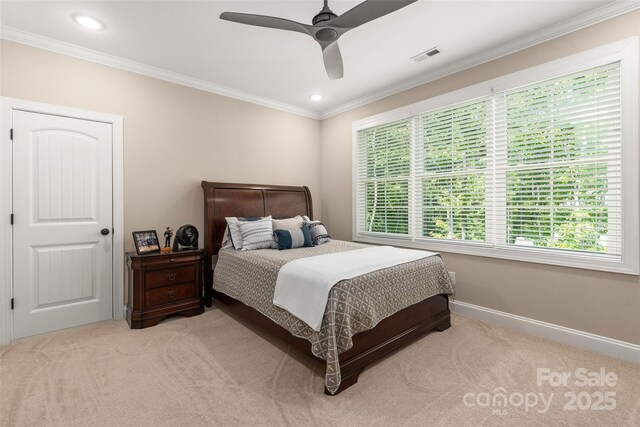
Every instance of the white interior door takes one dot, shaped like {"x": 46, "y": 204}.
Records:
{"x": 62, "y": 199}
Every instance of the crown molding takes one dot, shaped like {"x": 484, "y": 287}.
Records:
{"x": 592, "y": 17}
{"x": 587, "y": 19}
{"x": 19, "y": 36}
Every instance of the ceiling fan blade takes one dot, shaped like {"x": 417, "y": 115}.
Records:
{"x": 267, "y": 21}
{"x": 332, "y": 60}
{"x": 368, "y": 11}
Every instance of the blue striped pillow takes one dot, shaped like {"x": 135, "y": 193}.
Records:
{"x": 292, "y": 238}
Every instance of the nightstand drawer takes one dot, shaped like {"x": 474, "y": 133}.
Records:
{"x": 169, "y": 294}
{"x": 170, "y": 276}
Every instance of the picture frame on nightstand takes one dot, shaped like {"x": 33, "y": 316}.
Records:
{"x": 146, "y": 242}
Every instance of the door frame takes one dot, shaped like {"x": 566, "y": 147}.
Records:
{"x": 7, "y": 107}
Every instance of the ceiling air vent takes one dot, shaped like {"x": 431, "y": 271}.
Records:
{"x": 427, "y": 54}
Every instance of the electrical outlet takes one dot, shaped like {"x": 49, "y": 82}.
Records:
{"x": 452, "y": 274}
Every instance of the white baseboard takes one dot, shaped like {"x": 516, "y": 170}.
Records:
{"x": 608, "y": 346}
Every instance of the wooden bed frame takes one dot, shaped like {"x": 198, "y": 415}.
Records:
{"x": 246, "y": 200}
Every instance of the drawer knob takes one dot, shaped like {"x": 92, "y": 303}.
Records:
{"x": 172, "y": 276}
{"x": 171, "y": 294}
{"x": 172, "y": 259}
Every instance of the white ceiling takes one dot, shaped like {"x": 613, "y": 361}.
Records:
{"x": 187, "y": 38}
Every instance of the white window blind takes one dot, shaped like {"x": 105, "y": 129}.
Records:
{"x": 384, "y": 167}
{"x": 533, "y": 171}
{"x": 558, "y": 162}
{"x": 451, "y": 172}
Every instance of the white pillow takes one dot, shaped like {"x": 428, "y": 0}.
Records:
{"x": 289, "y": 223}
{"x": 256, "y": 234}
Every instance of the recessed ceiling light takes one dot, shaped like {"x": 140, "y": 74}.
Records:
{"x": 88, "y": 22}
{"x": 316, "y": 97}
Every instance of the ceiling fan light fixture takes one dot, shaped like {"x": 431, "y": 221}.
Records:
{"x": 327, "y": 35}
{"x": 88, "y": 22}
{"x": 316, "y": 97}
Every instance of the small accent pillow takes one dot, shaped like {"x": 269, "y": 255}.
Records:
{"x": 233, "y": 232}
{"x": 256, "y": 234}
{"x": 318, "y": 232}
{"x": 292, "y": 238}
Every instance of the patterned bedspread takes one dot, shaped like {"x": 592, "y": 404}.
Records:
{"x": 354, "y": 305}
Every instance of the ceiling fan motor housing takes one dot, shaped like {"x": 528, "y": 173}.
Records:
{"x": 325, "y": 15}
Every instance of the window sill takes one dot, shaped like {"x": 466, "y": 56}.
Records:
{"x": 602, "y": 262}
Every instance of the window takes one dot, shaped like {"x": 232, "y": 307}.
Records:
{"x": 451, "y": 171}
{"x": 385, "y": 162}
{"x": 538, "y": 166}
{"x": 562, "y": 149}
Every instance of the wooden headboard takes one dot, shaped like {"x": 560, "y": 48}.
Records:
{"x": 223, "y": 199}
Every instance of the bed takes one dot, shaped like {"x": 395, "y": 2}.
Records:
{"x": 355, "y": 346}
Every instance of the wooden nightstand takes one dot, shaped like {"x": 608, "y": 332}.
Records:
{"x": 163, "y": 284}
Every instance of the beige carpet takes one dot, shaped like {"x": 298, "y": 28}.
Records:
{"x": 214, "y": 370}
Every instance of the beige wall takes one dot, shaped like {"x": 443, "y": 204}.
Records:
{"x": 211, "y": 135}
{"x": 601, "y": 303}
{"x": 174, "y": 136}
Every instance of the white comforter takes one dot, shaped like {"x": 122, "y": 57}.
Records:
{"x": 303, "y": 285}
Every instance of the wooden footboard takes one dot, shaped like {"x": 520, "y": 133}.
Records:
{"x": 391, "y": 333}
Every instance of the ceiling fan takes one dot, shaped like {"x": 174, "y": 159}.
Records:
{"x": 327, "y": 27}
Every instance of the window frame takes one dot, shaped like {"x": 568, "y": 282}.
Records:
{"x": 626, "y": 52}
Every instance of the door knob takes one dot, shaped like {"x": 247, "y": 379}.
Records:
{"x": 104, "y": 231}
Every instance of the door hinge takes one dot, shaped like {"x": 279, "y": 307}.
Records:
{"x": 11, "y": 303}
{"x": 11, "y": 134}
{"x": 11, "y": 219}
